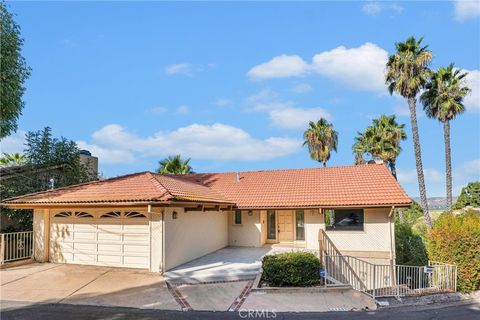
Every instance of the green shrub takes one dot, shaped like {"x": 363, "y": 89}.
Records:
{"x": 456, "y": 239}
{"x": 409, "y": 247}
{"x": 291, "y": 269}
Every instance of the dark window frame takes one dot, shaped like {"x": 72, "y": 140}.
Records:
{"x": 237, "y": 217}
{"x": 343, "y": 216}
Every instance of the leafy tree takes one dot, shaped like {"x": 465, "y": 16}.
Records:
{"x": 411, "y": 215}
{"x": 12, "y": 159}
{"x": 321, "y": 140}
{"x": 407, "y": 74}
{"x": 470, "y": 196}
{"x": 409, "y": 246}
{"x": 174, "y": 165}
{"x": 443, "y": 100}
{"x": 455, "y": 239}
{"x": 381, "y": 140}
{"x": 46, "y": 158}
{"x": 13, "y": 73}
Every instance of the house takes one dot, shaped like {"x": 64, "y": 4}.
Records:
{"x": 157, "y": 222}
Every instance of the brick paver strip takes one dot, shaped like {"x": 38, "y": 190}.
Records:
{"x": 238, "y": 302}
{"x": 179, "y": 298}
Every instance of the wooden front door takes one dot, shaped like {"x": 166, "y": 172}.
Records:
{"x": 285, "y": 225}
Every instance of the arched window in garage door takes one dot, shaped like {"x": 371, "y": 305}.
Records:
{"x": 112, "y": 214}
{"x": 134, "y": 214}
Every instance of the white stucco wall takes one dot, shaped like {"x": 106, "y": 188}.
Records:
{"x": 313, "y": 223}
{"x": 156, "y": 242}
{"x": 193, "y": 234}
{"x": 41, "y": 231}
{"x": 248, "y": 234}
{"x": 374, "y": 238}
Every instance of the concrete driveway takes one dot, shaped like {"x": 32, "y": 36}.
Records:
{"x": 84, "y": 285}
{"x": 227, "y": 264}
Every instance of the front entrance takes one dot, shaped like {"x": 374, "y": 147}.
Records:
{"x": 285, "y": 226}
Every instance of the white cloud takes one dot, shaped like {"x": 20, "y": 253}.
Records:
{"x": 466, "y": 9}
{"x": 183, "y": 109}
{"x": 279, "y": 67}
{"x": 472, "y": 100}
{"x": 13, "y": 143}
{"x": 222, "y": 102}
{"x": 361, "y": 68}
{"x": 180, "y": 68}
{"x": 373, "y": 8}
{"x": 284, "y": 114}
{"x": 301, "y": 88}
{"x": 209, "y": 142}
{"x": 293, "y": 118}
{"x": 157, "y": 110}
{"x": 410, "y": 176}
{"x": 107, "y": 155}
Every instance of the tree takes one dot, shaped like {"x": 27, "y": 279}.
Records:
{"x": 321, "y": 140}
{"x": 381, "y": 140}
{"x": 407, "y": 73}
{"x": 443, "y": 100}
{"x": 46, "y": 158}
{"x": 13, "y": 73}
{"x": 12, "y": 159}
{"x": 174, "y": 165}
{"x": 469, "y": 196}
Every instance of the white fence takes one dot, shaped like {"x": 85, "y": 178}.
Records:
{"x": 390, "y": 280}
{"x": 16, "y": 246}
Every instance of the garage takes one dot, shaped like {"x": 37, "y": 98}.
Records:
{"x": 103, "y": 238}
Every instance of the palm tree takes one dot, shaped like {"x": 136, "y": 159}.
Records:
{"x": 174, "y": 165}
{"x": 12, "y": 159}
{"x": 443, "y": 100}
{"x": 321, "y": 140}
{"x": 407, "y": 73}
{"x": 381, "y": 140}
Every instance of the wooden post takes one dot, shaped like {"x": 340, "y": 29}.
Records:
{"x": 2, "y": 248}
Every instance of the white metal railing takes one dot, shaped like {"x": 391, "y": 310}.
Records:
{"x": 392, "y": 280}
{"x": 16, "y": 246}
{"x": 384, "y": 280}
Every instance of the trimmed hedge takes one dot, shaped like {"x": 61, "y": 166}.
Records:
{"x": 291, "y": 269}
{"x": 456, "y": 239}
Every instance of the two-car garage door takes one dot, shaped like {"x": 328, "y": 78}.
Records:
{"x": 116, "y": 238}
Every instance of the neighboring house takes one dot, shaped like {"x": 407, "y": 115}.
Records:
{"x": 157, "y": 222}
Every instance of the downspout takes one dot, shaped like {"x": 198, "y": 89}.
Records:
{"x": 392, "y": 236}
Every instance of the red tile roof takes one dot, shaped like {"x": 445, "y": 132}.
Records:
{"x": 364, "y": 185}
{"x": 138, "y": 187}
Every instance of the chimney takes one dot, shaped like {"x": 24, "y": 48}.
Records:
{"x": 237, "y": 177}
{"x": 375, "y": 161}
{"x": 91, "y": 163}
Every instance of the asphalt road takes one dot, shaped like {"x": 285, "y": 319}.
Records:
{"x": 459, "y": 311}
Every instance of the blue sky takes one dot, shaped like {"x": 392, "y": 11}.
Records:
{"x": 233, "y": 85}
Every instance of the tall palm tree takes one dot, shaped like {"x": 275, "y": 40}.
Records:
{"x": 407, "y": 73}
{"x": 174, "y": 165}
{"x": 381, "y": 140}
{"x": 443, "y": 100}
{"x": 321, "y": 140}
{"x": 12, "y": 159}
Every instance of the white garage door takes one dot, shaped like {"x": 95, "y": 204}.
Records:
{"x": 119, "y": 239}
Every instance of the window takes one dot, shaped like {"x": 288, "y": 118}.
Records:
{"x": 134, "y": 214}
{"x": 63, "y": 214}
{"x": 300, "y": 224}
{"x": 112, "y": 214}
{"x": 81, "y": 214}
{"x": 271, "y": 225}
{"x": 238, "y": 217}
{"x": 344, "y": 219}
